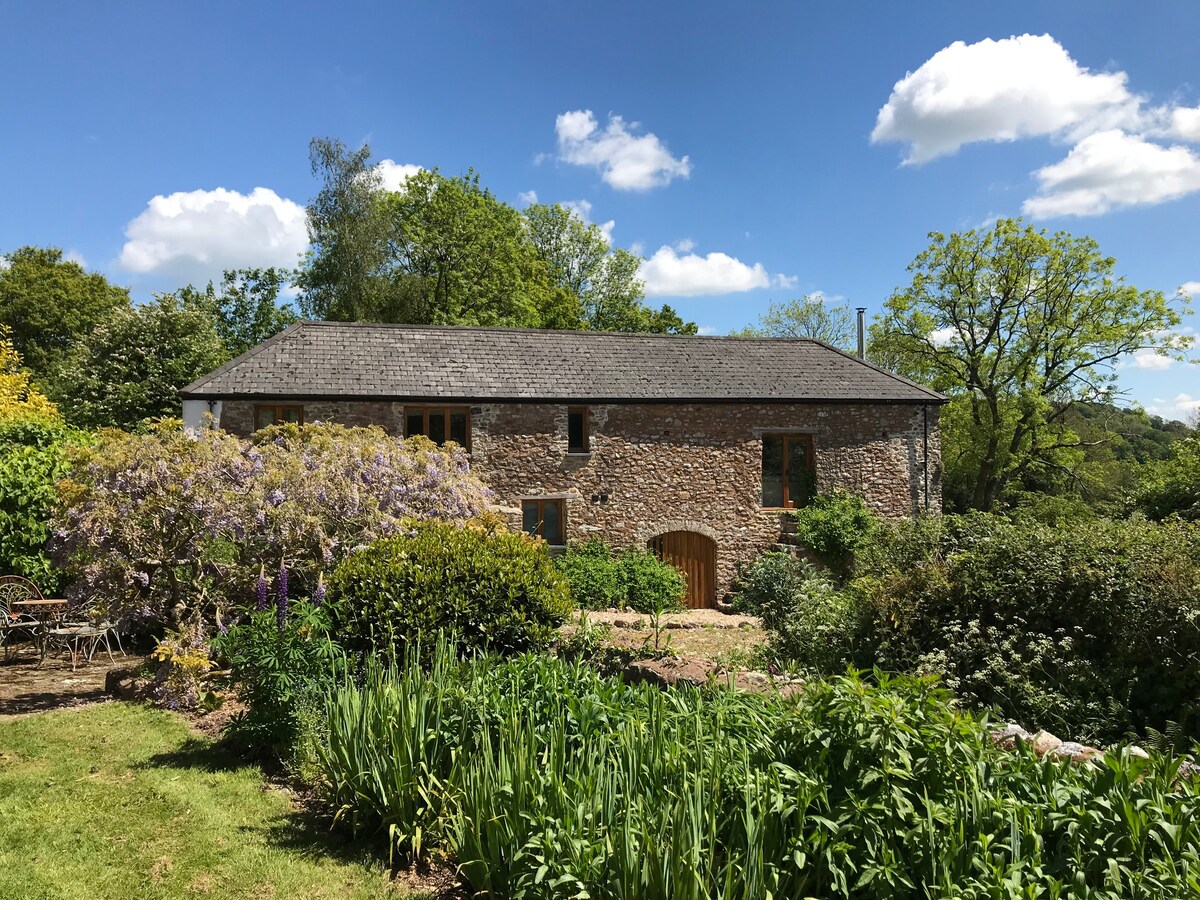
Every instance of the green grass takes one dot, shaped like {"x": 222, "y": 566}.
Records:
{"x": 117, "y": 801}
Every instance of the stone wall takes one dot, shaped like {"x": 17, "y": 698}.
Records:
{"x": 655, "y": 468}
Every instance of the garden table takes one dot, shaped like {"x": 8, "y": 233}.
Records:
{"x": 48, "y": 612}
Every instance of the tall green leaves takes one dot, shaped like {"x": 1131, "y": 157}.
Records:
{"x": 542, "y": 779}
{"x": 1016, "y": 325}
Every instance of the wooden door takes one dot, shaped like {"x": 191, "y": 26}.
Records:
{"x": 696, "y": 556}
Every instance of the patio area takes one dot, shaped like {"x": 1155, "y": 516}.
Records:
{"x": 26, "y": 687}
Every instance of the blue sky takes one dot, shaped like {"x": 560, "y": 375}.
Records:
{"x": 751, "y": 152}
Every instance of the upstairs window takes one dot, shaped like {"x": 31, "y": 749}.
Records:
{"x": 544, "y": 518}
{"x": 578, "y": 435}
{"x": 789, "y": 472}
{"x": 439, "y": 423}
{"x": 277, "y": 414}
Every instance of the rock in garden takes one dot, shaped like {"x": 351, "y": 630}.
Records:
{"x": 1044, "y": 742}
{"x": 1006, "y": 738}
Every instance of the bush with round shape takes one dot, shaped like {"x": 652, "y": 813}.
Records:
{"x": 602, "y": 578}
{"x": 485, "y": 586}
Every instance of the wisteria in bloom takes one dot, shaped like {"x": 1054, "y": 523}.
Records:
{"x": 198, "y": 516}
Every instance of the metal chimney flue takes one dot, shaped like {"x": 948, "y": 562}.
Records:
{"x": 862, "y": 332}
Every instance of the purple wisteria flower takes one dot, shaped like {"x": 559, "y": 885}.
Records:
{"x": 276, "y": 497}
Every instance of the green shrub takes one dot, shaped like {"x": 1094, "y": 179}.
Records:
{"x": 543, "y": 779}
{"x": 489, "y": 588}
{"x": 810, "y": 621}
{"x": 635, "y": 578}
{"x": 32, "y": 459}
{"x": 836, "y": 526}
{"x": 1089, "y": 630}
{"x": 282, "y": 675}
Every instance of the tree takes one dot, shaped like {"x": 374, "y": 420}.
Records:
{"x": 131, "y": 367}
{"x": 19, "y": 399}
{"x": 247, "y": 311}
{"x": 601, "y": 281}
{"x": 466, "y": 254}
{"x": 810, "y": 316}
{"x": 347, "y": 273}
{"x": 1016, "y": 326}
{"x": 49, "y": 302}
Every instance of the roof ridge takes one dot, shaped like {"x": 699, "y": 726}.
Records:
{"x": 509, "y": 329}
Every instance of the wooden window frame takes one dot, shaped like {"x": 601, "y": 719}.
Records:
{"x": 587, "y": 430}
{"x": 542, "y": 502}
{"x": 445, "y": 412}
{"x": 788, "y": 438}
{"x": 276, "y": 411}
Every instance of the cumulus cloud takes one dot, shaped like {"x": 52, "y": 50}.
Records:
{"x": 527, "y": 198}
{"x": 1148, "y": 359}
{"x": 76, "y": 257}
{"x": 786, "y": 282}
{"x": 669, "y": 274}
{"x": 626, "y": 161}
{"x": 1183, "y": 407}
{"x": 194, "y": 235}
{"x": 1113, "y": 169}
{"x": 687, "y": 245}
{"x": 1190, "y": 288}
{"x": 999, "y": 91}
{"x": 1029, "y": 86}
{"x": 583, "y": 209}
{"x": 706, "y": 330}
{"x": 943, "y": 336}
{"x": 394, "y": 174}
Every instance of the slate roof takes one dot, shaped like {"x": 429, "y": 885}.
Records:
{"x": 313, "y": 360}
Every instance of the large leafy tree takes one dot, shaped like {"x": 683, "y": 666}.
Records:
{"x": 247, "y": 310}
{"x": 1016, "y": 325}
{"x": 466, "y": 255}
{"x": 49, "y": 302}
{"x": 600, "y": 281}
{"x": 810, "y": 316}
{"x": 132, "y": 366}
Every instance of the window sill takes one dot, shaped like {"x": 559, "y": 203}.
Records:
{"x": 579, "y": 453}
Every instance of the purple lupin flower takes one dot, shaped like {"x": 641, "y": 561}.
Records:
{"x": 281, "y": 597}
{"x": 319, "y": 593}
{"x": 261, "y": 590}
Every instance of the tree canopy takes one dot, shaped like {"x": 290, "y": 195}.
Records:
{"x": 810, "y": 316}
{"x": 444, "y": 250}
{"x": 247, "y": 310}
{"x": 48, "y": 302}
{"x": 1016, "y": 326}
{"x": 131, "y": 367}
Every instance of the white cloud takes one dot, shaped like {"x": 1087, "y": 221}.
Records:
{"x": 76, "y": 257}
{"x": 668, "y": 274}
{"x": 706, "y": 330}
{"x": 786, "y": 282}
{"x": 1148, "y": 359}
{"x": 1190, "y": 288}
{"x": 394, "y": 174}
{"x": 1029, "y": 86}
{"x": 1183, "y": 407}
{"x": 1185, "y": 124}
{"x": 527, "y": 198}
{"x": 1112, "y": 169}
{"x": 626, "y": 161}
{"x": 1000, "y": 91}
{"x": 687, "y": 245}
{"x": 194, "y": 235}
{"x": 943, "y": 336}
{"x": 583, "y": 209}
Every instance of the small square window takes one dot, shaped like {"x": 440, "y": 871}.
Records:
{"x": 578, "y": 436}
{"x": 544, "y": 519}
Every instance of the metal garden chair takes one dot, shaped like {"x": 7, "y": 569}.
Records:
{"x": 16, "y": 624}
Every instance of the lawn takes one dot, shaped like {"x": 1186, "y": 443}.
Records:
{"x": 116, "y": 801}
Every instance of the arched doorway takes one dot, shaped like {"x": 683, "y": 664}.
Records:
{"x": 696, "y": 556}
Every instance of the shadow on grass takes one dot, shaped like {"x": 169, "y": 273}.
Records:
{"x": 202, "y": 754}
